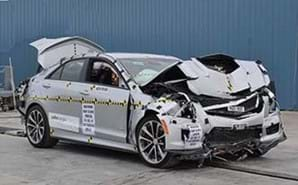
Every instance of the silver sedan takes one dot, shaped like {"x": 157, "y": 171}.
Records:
{"x": 159, "y": 106}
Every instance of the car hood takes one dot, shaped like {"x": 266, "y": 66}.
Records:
{"x": 221, "y": 76}
{"x": 231, "y": 78}
{"x": 51, "y": 51}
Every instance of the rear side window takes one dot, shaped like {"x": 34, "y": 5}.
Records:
{"x": 56, "y": 75}
{"x": 71, "y": 71}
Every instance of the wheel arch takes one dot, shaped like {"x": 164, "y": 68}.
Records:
{"x": 32, "y": 105}
{"x": 147, "y": 113}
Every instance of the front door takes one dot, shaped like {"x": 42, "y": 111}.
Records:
{"x": 109, "y": 100}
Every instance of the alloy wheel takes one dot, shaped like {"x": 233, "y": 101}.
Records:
{"x": 35, "y": 126}
{"x": 152, "y": 142}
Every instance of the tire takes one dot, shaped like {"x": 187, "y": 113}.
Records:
{"x": 151, "y": 144}
{"x": 38, "y": 129}
{"x": 258, "y": 153}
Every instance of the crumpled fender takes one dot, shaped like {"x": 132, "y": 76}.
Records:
{"x": 257, "y": 74}
{"x": 161, "y": 108}
{"x": 157, "y": 107}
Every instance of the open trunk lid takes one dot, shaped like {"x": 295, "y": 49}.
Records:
{"x": 51, "y": 51}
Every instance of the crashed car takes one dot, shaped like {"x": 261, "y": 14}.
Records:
{"x": 161, "y": 107}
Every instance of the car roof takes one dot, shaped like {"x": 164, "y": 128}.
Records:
{"x": 139, "y": 55}
{"x": 116, "y": 56}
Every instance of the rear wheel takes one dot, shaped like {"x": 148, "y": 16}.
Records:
{"x": 151, "y": 143}
{"x": 37, "y": 128}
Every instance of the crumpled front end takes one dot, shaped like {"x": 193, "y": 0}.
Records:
{"x": 234, "y": 111}
{"x": 206, "y": 132}
{"x": 236, "y": 131}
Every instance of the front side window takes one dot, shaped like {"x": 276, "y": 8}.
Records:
{"x": 103, "y": 73}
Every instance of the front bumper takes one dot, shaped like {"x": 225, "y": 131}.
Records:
{"x": 271, "y": 139}
{"x": 263, "y": 132}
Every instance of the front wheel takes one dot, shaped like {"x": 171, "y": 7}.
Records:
{"x": 151, "y": 143}
{"x": 38, "y": 129}
{"x": 258, "y": 153}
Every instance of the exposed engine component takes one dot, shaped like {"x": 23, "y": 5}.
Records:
{"x": 219, "y": 62}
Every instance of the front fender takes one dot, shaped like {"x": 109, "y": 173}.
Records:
{"x": 158, "y": 108}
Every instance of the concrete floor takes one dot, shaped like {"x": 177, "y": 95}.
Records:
{"x": 283, "y": 158}
{"x": 20, "y": 163}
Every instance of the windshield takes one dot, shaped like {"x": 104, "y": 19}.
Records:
{"x": 144, "y": 70}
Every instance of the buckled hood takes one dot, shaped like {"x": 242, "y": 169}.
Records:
{"x": 224, "y": 76}
{"x": 217, "y": 76}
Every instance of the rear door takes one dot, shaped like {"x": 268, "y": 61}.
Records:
{"x": 64, "y": 92}
{"x": 109, "y": 95}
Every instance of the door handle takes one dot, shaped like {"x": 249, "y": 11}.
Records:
{"x": 46, "y": 86}
{"x": 84, "y": 93}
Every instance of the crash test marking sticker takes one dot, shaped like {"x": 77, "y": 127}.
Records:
{"x": 194, "y": 136}
{"x": 65, "y": 122}
{"x": 88, "y": 119}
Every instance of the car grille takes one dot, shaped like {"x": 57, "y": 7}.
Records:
{"x": 272, "y": 129}
{"x": 220, "y": 135}
{"x": 254, "y": 104}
